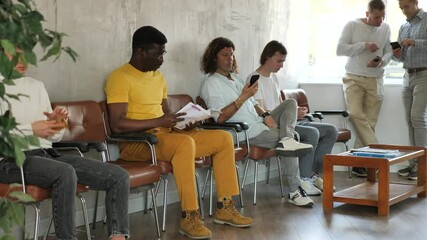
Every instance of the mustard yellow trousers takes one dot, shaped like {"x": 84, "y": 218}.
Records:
{"x": 182, "y": 148}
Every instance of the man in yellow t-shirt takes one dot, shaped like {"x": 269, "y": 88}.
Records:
{"x": 137, "y": 101}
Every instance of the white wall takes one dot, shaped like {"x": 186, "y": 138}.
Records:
{"x": 100, "y": 31}
{"x": 391, "y": 126}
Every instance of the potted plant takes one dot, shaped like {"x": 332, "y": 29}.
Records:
{"x": 21, "y": 26}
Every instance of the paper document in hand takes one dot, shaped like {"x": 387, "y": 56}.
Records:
{"x": 194, "y": 113}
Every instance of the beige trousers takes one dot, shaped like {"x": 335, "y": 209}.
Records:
{"x": 363, "y": 97}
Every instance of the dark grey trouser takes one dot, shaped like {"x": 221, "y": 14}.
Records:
{"x": 61, "y": 175}
{"x": 285, "y": 116}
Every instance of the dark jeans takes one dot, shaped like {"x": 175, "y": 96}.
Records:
{"x": 61, "y": 175}
{"x": 322, "y": 136}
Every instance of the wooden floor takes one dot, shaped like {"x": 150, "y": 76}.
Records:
{"x": 275, "y": 218}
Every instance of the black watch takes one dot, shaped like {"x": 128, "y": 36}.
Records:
{"x": 265, "y": 114}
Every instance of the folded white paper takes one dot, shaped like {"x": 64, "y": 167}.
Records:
{"x": 194, "y": 113}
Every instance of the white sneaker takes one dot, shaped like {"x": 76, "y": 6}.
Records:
{"x": 310, "y": 189}
{"x": 290, "y": 147}
{"x": 318, "y": 182}
{"x": 300, "y": 198}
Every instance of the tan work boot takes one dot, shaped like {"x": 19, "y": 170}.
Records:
{"x": 226, "y": 213}
{"x": 193, "y": 227}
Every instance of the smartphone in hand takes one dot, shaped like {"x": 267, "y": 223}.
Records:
{"x": 254, "y": 78}
{"x": 395, "y": 45}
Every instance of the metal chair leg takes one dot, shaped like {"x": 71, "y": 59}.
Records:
{"x": 48, "y": 228}
{"x": 238, "y": 182}
{"x": 348, "y": 168}
{"x": 85, "y": 215}
{"x": 255, "y": 180}
{"x": 163, "y": 178}
{"x": 37, "y": 219}
{"x": 267, "y": 164}
{"x": 210, "y": 193}
{"x": 244, "y": 175}
{"x": 165, "y": 202}
{"x": 205, "y": 184}
{"x": 199, "y": 197}
{"x": 146, "y": 202}
{"x": 280, "y": 176}
{"x": 95, "y": 211}
{"x": 156, "y": 217}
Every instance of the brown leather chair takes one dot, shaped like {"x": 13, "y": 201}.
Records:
{"x": 166, "y": 169}
{"x": 344, "y": 134}
{"x": 39, "y": 194}
{"x": 247, "y": 151}
{"x": 91, "y": 133}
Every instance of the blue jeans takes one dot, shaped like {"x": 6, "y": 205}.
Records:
{"x": 415, "y": 103}
{"x": 61, "y": 175}
{"x": 323, "y": 137}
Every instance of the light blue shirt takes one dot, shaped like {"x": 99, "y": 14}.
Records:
{"x": 218, "y": 92}
{"x": 416, "y": 28}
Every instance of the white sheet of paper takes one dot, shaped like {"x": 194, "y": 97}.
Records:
{"x": 194, "y": 113}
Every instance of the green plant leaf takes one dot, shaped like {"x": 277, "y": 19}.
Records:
{"x": 19, "y": 157}
{"x": 71, "y": 53}
{"x": 26, "y": 3}
{"x": 33, "y": 140}
{"x": 21, "y": 8}
{"x": 8, "y": 46}
{"x": 31, "y": 58}
{"x": 2, "y": 90}
{"x": 21, "y": 196}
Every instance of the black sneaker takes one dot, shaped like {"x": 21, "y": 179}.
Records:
{"x": 413, "y": 176}
{"x": 359, "y": 171}
{"x": 404, "y": 172}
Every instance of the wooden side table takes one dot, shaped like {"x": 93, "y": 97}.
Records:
{"x": 381, "y": 193}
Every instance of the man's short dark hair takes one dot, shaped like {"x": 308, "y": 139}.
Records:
{"x": 376, "y": 5}
{"x": 270, "y": 49}
{"x": 208, "y": 63}
{"x": 146, "y": 36}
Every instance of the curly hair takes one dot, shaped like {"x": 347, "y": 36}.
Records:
{"x": 208, "y": 63}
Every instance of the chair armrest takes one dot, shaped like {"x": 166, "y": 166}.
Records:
{"x": 309, "y": 117}
{"x": 134, "y": 137}
{"x": 317, "y": 115}
{"x": 233, "y": 126}
{"x": 83, "y": 147}
{"x": 244, "y": 125}
{"x": 333, "y": 112}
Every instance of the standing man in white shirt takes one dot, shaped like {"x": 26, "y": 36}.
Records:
{"x": 365, "y": 41}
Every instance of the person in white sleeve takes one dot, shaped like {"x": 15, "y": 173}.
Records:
{"x": 366, "y": 43}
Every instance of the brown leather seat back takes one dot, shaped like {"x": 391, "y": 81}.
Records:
{"x": 297, "y": 94}
{"x": 84, "y": 121}
{"x": 104, "y": 109}
{"x": 177, "y": 101}
{"x": 202, "y": 103}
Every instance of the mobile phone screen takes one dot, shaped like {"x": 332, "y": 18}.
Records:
{"x": 254, "y": 78}
{"x": 395, "y": 45}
